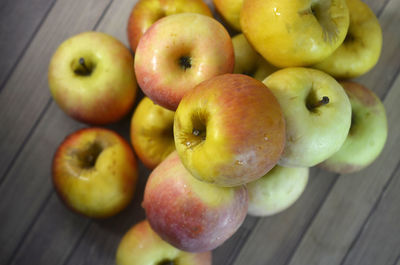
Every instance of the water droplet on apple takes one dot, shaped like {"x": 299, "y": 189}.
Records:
{"x": 239, "y": 163}
{"x": 188, "y": 143}
{"x": 266, "y": 137}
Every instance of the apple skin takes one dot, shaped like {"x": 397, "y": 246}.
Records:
{"x": 361, "y": 48}
{"x": 189, "y": 214}
{"x": 240, "y": 130}
{"x": 248, "y": 61}
{"x": 230, "y": 11}
{"x": 291, "y": 35}
{"x": 368, "y": 132}
{"x": 313, "y": 134}
{"x": 146, "y": 12}
{"x": 277, "y": 190}
{"x": 142, "y": 246}
{"x": 152, "y": 132}
{"x": 106, "y": 94}
{"x": 197, "y": 41}
{"x": 95, "y": 172}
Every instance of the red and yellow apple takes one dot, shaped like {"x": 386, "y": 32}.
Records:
{"x": 91, "y": 77}
{"x": 190, "y": 214}
{"x": 95, "y": 172}
{"x": 177, "y": 53}
{"x": 152, "y": 132}
{"x": 230, "y": 11}
{"x": 317, "y": 113}
{"x": 367, "y": 135}
{"x": 277, "y": 190}
{"x": 295, "y": 32}
{"x": 248, "y": 61}
{"x": 360, "y": 49}
{"x": 142, "y": 246}
{"x": 146, "y": 12}
{"x": 229, "y": 130}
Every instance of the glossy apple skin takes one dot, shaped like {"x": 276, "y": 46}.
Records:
{"x": 146, "y": 12}
{"x": 312, "y": 135}
{"x": 104, "y": 96}
{"x": 230, "y": 11}
{"x": 157, "y": 61}
{"x": 152, "y": 133}
{"x": 277, "y": 190}
{"x": 291, "y": 35}
{"x": 367, "y": 135}
{"x": 100, "y": 190}
{"x": 361, "y": 48}
{"x": 189, "y": 214}
{"x": 248, "y": 61}
{"x": 142, "y": 246}
{"x": 242, "y": 130}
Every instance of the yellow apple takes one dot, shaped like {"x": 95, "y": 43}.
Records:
{"x": 230, "y": 11}
{"x": 361, "y": 48}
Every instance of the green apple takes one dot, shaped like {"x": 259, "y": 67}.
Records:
{"x": 95, "y": 172}
{"x": 229, "y": 130}
{"x": 295, "y": 32}
{"x": 146, "y": 12}
{"x": 317, "y": 113}
{"x": 368, "y": 132}
{"x": 152, "y": 132}
{"x": 190, "y": 214}
{"x": 230, "y": 11}
{"x": 277, "y": 190}
{"x": 361, "y": 48}
{"x": 248, "y": 61}
{"x": 91, "y": 77}
{"x": 177, "y": 53}
{"x": 142, "y": 246}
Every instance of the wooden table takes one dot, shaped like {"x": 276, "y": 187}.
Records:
{"x": 347, "y": 220}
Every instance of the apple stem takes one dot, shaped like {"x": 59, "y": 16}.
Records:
{"x": 82, "y": 63}
{"x": 323, "y": 101}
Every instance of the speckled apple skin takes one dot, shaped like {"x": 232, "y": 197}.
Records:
{"x": 142, "y": 246}
{"x": 191, "y": 215}
{"x": 103, "y": 190}
{"x": 199, "y": 37}
{"x": 147, "y": 12}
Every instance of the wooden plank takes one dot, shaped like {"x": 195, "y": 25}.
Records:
{"x": 352, "y": 198}
{"x": 379, "y": 241}
{"x": 16, "y": 33}
{"x": 24, "y": 97}
{"x": 28, "y": 184}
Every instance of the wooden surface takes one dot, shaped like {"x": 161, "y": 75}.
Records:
{"x": 352, "y": 219}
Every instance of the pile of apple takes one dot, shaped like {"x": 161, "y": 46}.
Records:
{"x": 229, "y": 126}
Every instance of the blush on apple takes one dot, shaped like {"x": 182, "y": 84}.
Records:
{"x": 189, "y": 214}
{"x": 95, "y": 172}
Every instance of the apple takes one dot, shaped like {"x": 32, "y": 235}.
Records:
{"x": 146, "y": 12}
{"x": 361, "y": 48}
{"x": 230, "y": 11}
{"x": 295, "y": 32}
{"x": 190, "y": 214}
{"x": 95, "y": 172}
{"x": 229, "y": 130}
{"x": 368, "y": 132}
{"x": 317, "y": 113}
{"x": 91, "y": 77}
{"x": 152, "y": 132}
{"x": 142, "y": 246}
{"x": 277, "y": 190}
{"x": 248, "y": 61}
{"x": 178, "y": 52}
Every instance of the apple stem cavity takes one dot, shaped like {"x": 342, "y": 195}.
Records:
{"x": 86, "y": 70}
{"x": 322, "y": 102}
{"x": 167, "y": 262}
{"x": 185, "y": 62}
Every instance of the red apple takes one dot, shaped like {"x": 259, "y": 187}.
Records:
{"x": 146, "y": 12}
{"x": 177, "y": 53}
{"x": 189, "y": 214}
{"x": 229, "y": 130}
{"x": 95, "y": 172}
{"x": 142, "y": 246}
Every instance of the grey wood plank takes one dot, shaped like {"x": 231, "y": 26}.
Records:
{"x": 25, "y": 95}
{"x": 351, "y": 199}
{"x": 28, "y": 180}
{"x": 379, "y": 241}
{"x": 18, "y": 24}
